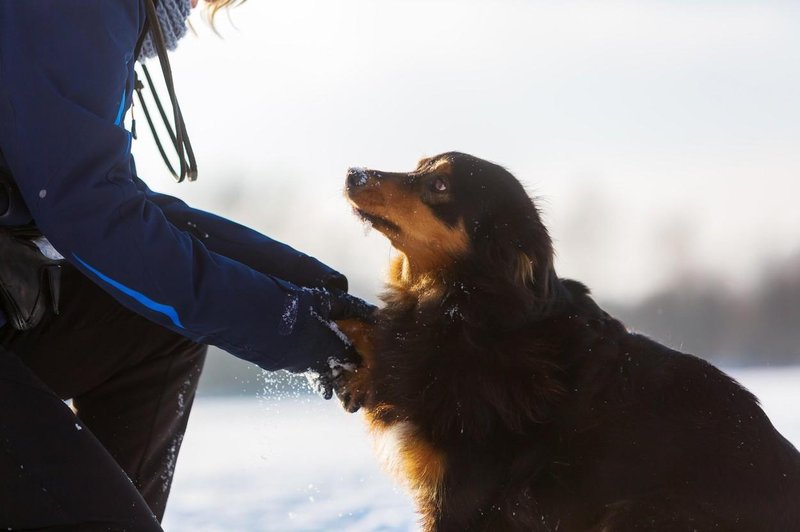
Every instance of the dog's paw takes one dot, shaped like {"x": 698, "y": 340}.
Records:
{"x": 351, "y": 389}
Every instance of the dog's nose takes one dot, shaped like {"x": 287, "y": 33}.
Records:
{"x": 356, "y": 177}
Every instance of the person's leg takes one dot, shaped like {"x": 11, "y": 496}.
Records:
{"x": 54, "y": 474}
{"x": 132, "y": 382}
{"x": 140, "y": 415}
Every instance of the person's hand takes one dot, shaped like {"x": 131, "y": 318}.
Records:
{"x": 335, "y": 305}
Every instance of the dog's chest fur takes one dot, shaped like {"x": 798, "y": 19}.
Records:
{"x": 399, "y": 411}
{"x": 441, "y": 402}
{"x": 411, "y": 458}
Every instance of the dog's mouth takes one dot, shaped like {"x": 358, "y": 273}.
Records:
{"x": 379, "y": 223}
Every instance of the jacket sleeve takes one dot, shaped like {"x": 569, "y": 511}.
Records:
{"x": 247, "y": 246}
{"x": 65, "y": 82}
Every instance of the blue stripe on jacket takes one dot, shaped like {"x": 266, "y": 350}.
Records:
{"x": 145, "y": 301}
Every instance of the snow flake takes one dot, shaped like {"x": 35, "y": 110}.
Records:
{"x": 289, "y": 315}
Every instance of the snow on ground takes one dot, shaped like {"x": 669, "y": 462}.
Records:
{"x": 302, "y": 464}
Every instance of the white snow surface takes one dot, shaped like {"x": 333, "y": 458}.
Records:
{"x": 303, "y": 464}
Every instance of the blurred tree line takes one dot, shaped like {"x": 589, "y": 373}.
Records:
{"x": 756, "y": 328}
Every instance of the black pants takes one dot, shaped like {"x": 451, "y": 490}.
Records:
{"x": 132, "y": 384}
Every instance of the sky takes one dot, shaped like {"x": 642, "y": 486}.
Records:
{"x": 661, "y": 140}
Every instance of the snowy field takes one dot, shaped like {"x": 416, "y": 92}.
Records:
{"x": 301, "y": 464}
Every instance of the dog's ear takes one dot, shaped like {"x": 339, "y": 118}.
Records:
{"x": 510, "y": 244}
{"x": 518, "y": 249}
{"x": 529, "y": 254}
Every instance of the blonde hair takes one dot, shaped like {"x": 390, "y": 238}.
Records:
{"x": 213, "y": 6}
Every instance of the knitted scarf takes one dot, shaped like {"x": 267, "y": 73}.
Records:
{"x": 172, "y": 15}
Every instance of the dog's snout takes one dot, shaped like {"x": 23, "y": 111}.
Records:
{"x": 356, "y": 177}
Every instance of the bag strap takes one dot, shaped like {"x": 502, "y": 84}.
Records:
{"x": 187, "y": 164}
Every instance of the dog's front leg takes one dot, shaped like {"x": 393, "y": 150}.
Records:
{"x": 354, "y": 388}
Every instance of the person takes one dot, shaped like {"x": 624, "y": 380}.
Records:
{"x": 147, "y": 281}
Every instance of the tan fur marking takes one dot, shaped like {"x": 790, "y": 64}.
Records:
{"x": 395, "y": 275}
{"x": 412, "y": 460}
{"x": 358, "y": 385}
{"x": 525, "y": 269}
{"x": 427, "y": 242}
{"x": 360, "y": 335}
{"x": 443, "y": 166}
{"x": 423, "y": 468}
{"x": 422, "y": 162}
{"x": 405, "y": 284}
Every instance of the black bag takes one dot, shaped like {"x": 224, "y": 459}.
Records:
{"x": 29, "y": 281}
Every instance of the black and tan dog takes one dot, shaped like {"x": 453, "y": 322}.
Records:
{"x": 510, "y": 401}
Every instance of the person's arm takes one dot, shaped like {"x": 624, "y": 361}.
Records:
{"x": 247, "y": 246}
{"x": 65, "y": 81}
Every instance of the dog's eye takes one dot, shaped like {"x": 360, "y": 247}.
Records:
{"x": 439, "y": 185}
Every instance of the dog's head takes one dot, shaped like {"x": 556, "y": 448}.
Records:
{"x": 455, "y": 211}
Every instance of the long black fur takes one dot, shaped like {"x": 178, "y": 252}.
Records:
{"x": 549, "y": 413}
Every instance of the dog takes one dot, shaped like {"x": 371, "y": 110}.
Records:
{"x": 506, "y": 399}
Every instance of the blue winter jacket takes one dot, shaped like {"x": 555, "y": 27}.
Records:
{"x": 66, "y": 81}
